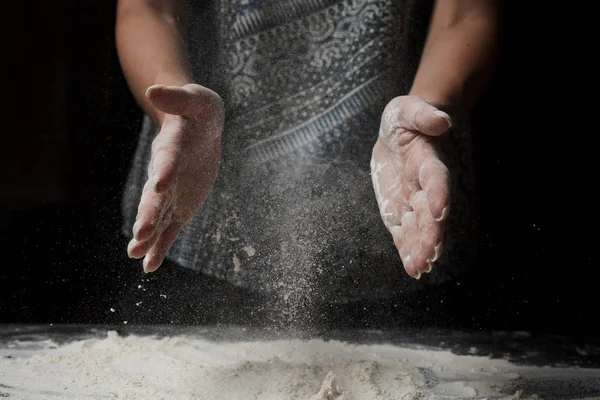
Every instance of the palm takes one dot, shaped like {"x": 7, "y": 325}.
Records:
{"x": 196, "y": 171}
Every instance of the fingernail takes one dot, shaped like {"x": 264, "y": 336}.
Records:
{"x": 130, "y": 247}
{"x": 145, "y": 264}
{"x": 430, "y": 263}
{"x": 445, "y": 116}
{"x": 438, "y": 252}
{"x": 444, "y": 215}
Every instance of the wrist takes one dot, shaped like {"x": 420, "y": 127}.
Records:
{"x": 450, "y": 104}
{"x": 174, "y": 77}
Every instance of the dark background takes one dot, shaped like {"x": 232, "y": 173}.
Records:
{"x": 70, "y": 127}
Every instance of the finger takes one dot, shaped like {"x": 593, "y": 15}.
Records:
{"x": 151, "y": 210}
{"x": 399, "y": 237}
{"x": 138, "y": 249}
{"x": 167, "y": 156}
{"x": 430, "y": 233}
{"x": 418, "y": 260}
{"x": 177, "y": 100}
{"x": 147, "y": 216}
{"x": 406, "y": 237}
{"x": 417, "y": 263}
{"x": 415, "y": 114}
{"x": 434, "y": 178}
{"x": 158, "y": 252}
{"x": 132, "y": 250}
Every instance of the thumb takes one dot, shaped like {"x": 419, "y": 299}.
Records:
{"x": 415, "y": 114}
{"x": 176, "y": 100}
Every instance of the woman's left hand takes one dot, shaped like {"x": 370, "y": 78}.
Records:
{"x": 411, "y": 182}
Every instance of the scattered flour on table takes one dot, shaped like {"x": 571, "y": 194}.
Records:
{"x": 142, "y": 367}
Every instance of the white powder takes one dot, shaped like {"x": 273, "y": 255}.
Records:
{"x": 175, "y": 368}
{"x": 250, "y": 251}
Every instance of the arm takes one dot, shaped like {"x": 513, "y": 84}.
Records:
{"x": 151, "y": 48}
{"x": 459, "y": 55}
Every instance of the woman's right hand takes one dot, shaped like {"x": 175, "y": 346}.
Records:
{"x": 182, "y": 170}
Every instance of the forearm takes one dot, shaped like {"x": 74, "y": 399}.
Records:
{"x": 151, "y": 48}
{"x": 459, "y": 55}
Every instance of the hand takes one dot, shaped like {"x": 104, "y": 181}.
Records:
{"x": 411, "y": 182}
{"x": 183, "y": 167}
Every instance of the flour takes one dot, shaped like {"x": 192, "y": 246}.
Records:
{"x": 175, "y": 368}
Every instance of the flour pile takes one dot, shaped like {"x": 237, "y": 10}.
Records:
{"x": 141, "y": 367}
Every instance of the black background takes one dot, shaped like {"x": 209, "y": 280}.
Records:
{"x": 70, "y": 126}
